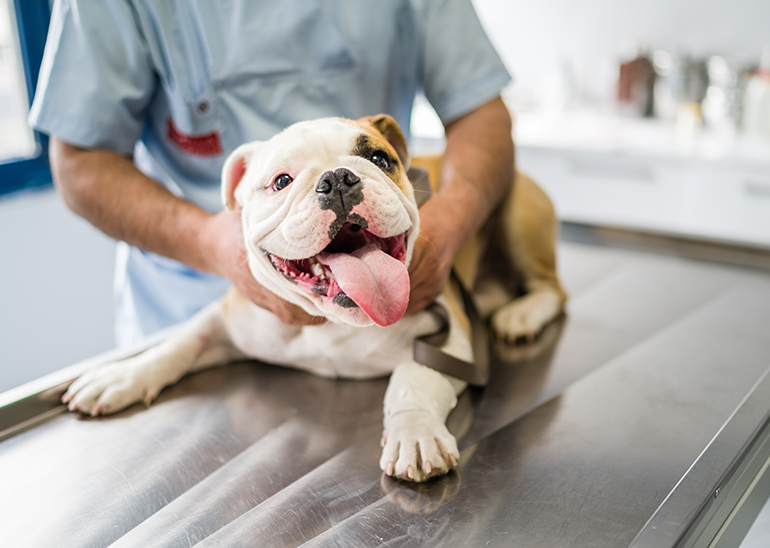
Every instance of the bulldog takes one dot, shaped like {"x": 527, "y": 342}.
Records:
{"x": 329, "y": 221}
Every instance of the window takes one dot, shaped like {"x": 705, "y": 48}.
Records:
{"x": 23, "y": 153}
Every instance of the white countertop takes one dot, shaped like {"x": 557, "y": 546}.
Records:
{"x": 593, "y": 131}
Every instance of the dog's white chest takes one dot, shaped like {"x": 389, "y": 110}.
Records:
{"x": 329, "y": 350}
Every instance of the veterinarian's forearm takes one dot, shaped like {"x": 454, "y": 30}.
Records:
{"x": 109, "y": 191}
{"x": 477, "y": 169}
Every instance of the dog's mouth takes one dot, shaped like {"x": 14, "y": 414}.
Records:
{"x": 356, "y": 269}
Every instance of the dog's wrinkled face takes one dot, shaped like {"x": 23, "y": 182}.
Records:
{"x": 329, "y": 216}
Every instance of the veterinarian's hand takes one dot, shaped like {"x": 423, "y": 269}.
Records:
{"x": 232, "y": 263}
{"x": 432, "y": 258}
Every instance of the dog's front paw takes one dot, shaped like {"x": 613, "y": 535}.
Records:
{"x": 111, "y": 388}
{"x": 417, "y": 446}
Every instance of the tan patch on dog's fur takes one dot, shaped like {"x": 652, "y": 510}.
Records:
{"x": 375, "y": 128}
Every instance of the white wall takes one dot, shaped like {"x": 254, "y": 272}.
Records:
{"x": 55, "y": 288}
{"x": 533, "y": 37}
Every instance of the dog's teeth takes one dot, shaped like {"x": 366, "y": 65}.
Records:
{"x": 318, "y": 270}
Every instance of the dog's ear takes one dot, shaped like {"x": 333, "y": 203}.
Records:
{"x": 233, "y": 172}
{"x": 389, "y": 129}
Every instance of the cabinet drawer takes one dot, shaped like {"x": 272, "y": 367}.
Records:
{"x": 685, "y": 198}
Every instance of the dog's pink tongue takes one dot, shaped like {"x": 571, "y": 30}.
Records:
{"x": 374, "y": 280}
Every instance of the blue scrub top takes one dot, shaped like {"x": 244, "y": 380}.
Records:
{"x": 180, "y": 85}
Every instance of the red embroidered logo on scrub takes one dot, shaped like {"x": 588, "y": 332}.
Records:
{"x": 197, "y": 145}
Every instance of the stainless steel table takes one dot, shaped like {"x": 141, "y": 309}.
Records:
{"x": 639, "y": 419}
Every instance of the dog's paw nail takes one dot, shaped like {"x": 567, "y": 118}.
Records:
{"x": 410, "y": 472}
{"x": 453, "y": 460}
{"x": 383, "y": 441}
{"x": 95, "y": 411}
{"x": 67, "y": 397}
{"x": 428, "y": 467}
{"x": 389, "y": 469}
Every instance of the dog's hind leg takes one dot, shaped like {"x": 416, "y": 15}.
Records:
{"x": 528, "y": 227}
{"x": 199, "y": 343}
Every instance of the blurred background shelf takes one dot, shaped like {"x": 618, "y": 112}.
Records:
{"x": 640, "y": 174}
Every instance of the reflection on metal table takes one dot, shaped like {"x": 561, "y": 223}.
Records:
{"x": 636, "y": 420}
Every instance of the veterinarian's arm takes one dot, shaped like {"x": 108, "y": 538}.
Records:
{"x": 477, "y": 170}
{"x": 110, "y": 192}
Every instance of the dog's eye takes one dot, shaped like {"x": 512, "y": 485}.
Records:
{"x": 381, "y": 159}
{"x": 282, "y": 181}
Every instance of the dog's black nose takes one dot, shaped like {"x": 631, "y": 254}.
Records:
{"x": 347, "y": 177}
{"x": 332, "y": 179}
{"x": 340, "y": 191}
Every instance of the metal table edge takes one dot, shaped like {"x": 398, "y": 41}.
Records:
{"x": 712, "y": 486}
{"x": 37, "y": 401}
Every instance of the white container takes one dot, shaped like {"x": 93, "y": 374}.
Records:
{"x": 756, "y": 103}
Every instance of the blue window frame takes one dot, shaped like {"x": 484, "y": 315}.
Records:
{"x": 32, "y": 17}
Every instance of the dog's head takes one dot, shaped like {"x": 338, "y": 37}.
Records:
{"x": 329, "y": 216}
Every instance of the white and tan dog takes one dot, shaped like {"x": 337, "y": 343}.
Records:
{"x": 329, "y": 221}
